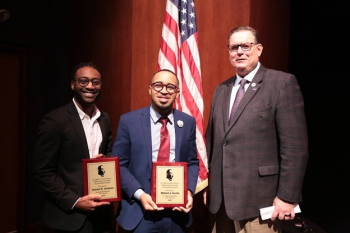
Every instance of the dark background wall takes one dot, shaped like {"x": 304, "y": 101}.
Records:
{"x": 322, "y": 71}
{"x": 306, "y": 38}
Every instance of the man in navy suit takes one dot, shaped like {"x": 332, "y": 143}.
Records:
{"x": 75, "y": 131}
{"x": 137, "y": 145}
{"x": 258, "y": 158}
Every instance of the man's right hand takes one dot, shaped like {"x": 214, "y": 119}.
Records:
{"x": 148, "y": 204}
{"x": 89, "y": 203}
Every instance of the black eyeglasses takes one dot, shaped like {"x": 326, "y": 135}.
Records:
{"x": 170, "y": 88}
{"x": 85, "y": 81}
{"x": 244, "y": 47}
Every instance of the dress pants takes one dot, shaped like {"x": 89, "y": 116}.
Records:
{"x": 166, "y": 221}
{"x": 223, "y": 224}
{"x": 102, "y": 220}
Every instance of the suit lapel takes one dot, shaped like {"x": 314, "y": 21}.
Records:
{"x": 249, "y": 94}
{"x": 103, "y": 127}
{"x": 146, "y": 130}
{"x": 178, "y": 135}
{"x": 226, "y": 102}
{"x": 78, "y": 128}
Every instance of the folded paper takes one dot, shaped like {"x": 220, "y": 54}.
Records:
{"x": 267, "y": 211}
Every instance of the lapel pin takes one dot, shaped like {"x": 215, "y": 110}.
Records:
{"x": 254, "y": 86}
{"x": 180, "y": 123}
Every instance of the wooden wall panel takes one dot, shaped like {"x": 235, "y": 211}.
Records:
{"x": 272, "y": 18}
{"x": 215, "y": 19}
{"x": 123, "y": 38}
{"x": 102, "y": 33}
{"x": 147, "y": 22}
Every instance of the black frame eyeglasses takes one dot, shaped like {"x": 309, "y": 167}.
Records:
{"x": 244, "y": 46}
{"x": 170, "y": 88}
{"x": 85, "y": 81}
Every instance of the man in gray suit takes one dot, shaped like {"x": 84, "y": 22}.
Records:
{"x": 258, "y": 158}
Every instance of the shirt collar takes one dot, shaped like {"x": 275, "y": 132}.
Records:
{"x": 155, "y": 116}
{"x": 96, "y": 114}
{"x": 249, "y": 76}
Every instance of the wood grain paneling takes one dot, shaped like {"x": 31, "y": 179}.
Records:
{"x": 123, "y": 38}
{"x": 102, "y": 33}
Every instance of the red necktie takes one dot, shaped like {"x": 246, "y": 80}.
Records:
{"x": 164, "y": 148}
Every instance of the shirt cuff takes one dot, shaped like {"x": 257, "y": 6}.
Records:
{"x": 76, "y": 203}
{"x": 138, "y": 193}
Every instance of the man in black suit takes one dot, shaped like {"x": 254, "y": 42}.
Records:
{"x": 67, "y": 135}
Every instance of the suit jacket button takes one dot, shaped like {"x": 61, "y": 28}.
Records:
{"x": 225, "y": 143}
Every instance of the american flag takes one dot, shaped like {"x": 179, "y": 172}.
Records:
{"x": 179, "y": 53}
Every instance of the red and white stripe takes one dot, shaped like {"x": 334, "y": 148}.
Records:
{"x": 183, "y": 59}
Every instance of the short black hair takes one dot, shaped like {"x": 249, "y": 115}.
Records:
{"x": 170, "y": 71}
{"x": 84, "y": 64}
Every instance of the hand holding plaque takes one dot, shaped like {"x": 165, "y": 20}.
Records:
{"x": 102, "y": 176}
{"x": 169, "y": 184}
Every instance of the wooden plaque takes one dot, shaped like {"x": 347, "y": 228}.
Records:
{"x": 169, "y": 184}
{"x": 102, "y": 176}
